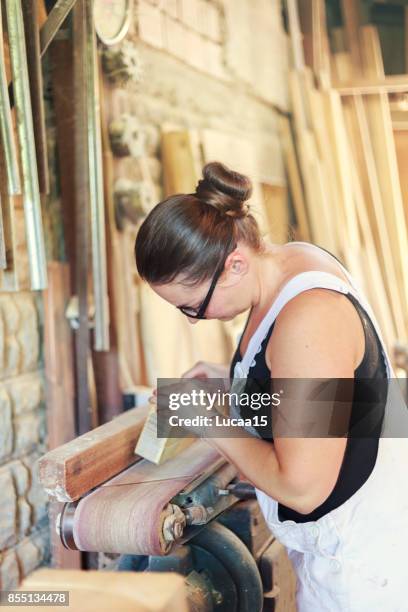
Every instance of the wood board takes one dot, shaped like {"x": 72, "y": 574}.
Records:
{"x": 73, "y": 469}
{"x": 106, "y": 591}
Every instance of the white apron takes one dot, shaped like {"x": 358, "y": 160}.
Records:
{"x": 355, "y": 558}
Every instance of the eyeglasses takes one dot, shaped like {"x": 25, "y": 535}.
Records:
{"x": 199, "y": 313}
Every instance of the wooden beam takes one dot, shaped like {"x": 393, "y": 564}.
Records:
{"x": 295, "y": 180}
{"x": 298, "y": 59}
{"x": 73, "y": 469}
{"x": 312, "y": 15}
{"x": 374, "y": 85}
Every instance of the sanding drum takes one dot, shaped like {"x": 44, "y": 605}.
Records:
{"x": 131, "y": 512}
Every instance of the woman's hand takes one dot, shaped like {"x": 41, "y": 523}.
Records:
{"x": 201, "y": 370}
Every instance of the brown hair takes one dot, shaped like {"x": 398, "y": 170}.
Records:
{"x": 188, "y": 233}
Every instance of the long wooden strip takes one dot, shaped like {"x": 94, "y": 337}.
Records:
{"x": 374, "y": 279}
{"x": 58, "y": 357}
{"x": 312, "y": 15}
{"x": 391, "y": 83}
{"x": 71, "y": 470}
{"x": 295, "y": 181}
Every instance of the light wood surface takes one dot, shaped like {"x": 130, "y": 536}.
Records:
{"x": 106, "y": 591}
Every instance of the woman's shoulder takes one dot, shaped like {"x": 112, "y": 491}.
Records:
{"x": 318, "y": 333}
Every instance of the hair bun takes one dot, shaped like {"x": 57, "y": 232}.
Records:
{"x": 225, "y": 189}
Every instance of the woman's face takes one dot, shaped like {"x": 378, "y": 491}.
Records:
{"x": 230, "y": 297}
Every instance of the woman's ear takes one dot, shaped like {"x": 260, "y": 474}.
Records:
{"x": 235, "y": 266}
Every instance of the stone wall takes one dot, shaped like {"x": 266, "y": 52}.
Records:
{"x": 218, "y": 64}
{"x": 24, "y": 539}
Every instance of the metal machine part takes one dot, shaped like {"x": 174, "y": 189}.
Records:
{"x": 227, "y": 562}
{"x": 64, "y": 525}
{"x": 242, "y": 490}
{"x": 182, "y": 517}
{"x": 221, "y": 573}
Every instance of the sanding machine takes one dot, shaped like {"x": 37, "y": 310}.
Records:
{"x": 191, "y": 515}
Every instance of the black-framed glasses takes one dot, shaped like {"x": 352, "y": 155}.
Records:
{"x": 199, "y": 313}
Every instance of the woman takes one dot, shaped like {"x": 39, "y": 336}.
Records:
{"x": 339, "y": 504}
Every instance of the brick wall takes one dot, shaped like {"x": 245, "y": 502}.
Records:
{"x": 23, "y": 517}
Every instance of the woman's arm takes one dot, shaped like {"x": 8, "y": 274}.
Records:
{"x": 317, "y": 335}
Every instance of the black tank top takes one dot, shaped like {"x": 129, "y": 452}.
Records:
{"x": 361, "y": 449}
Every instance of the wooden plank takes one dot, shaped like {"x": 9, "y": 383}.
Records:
{"x": 277, "y": 208}
{"x": 73, "y": 469}
{"x": 401, "y": 147}
{"x": 374, "y": 85}
{"x": 58, "y": 355}
{"x": 327, "y": 135}
{"x": 362, "y": 153}
{"x": 322, "y": 228}
{"x": 106, "y": 591}
{"x": 338, "y": 137}
{"x": 158, "y": 450}
{"x": 380, "y": 123}
{"x": 298, "y": 59}
{"x": 312, "y": 14}
{"x": 374, "y": 279}
{"x": 295, "y": 181}
{"x": 351, "y": 19}
{"x": 181, "y": 171}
